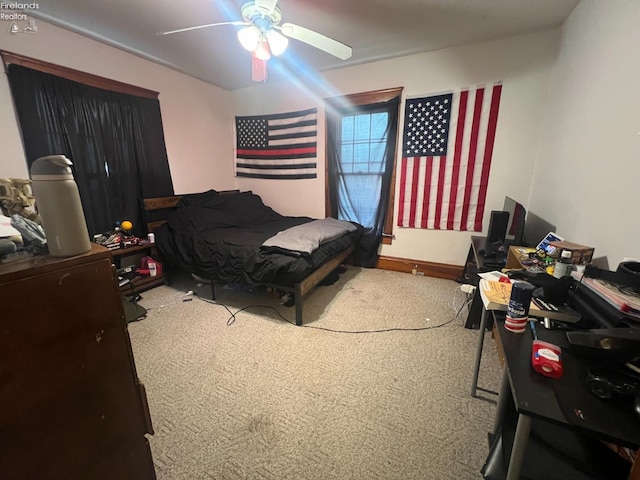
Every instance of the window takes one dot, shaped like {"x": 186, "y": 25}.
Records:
{"x": 363, "y": 144}
{"x": 362, "y": 132}
{"x": 112, "y": 133}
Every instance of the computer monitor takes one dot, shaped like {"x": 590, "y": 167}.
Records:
{"x": 515, "y": 227}
{"x": 535, "y": 230}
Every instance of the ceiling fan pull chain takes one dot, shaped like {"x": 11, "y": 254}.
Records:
{"x": 258, "y": 69}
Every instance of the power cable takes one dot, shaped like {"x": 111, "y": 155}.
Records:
{"x": 232, "y": 319}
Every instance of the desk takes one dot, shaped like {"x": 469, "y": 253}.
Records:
{"x": 563, "y": 313}
{"x": 514, "y": 257}
{"x": 485, "y": 305}
{"x": 512, "y": 263}
{"x": 476, "y": 263}
{"x": 565, "y": 401}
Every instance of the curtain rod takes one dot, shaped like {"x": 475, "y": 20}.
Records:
{"x": 76, "y": 75}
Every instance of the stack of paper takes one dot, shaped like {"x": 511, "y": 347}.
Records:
{"x": 624, "y": 301}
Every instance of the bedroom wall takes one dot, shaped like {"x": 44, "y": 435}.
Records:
{"x": 196, "y": 115}
{"x": 551, "y": 154}
{"x": 523, "y": 63}
{"x": 588, "y": 167}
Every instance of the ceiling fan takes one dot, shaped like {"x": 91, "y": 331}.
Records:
{"x": 263, "y": 35}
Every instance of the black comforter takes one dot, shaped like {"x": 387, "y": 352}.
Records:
{"x": 219, "y": 236}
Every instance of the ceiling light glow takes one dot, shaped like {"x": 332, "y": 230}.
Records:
{"x": 277, "y": 42}
{"x": 249, "y": 38}
{"x": 262, "y": 50}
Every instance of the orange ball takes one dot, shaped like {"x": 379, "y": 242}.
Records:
{"x": 126, "y": 225}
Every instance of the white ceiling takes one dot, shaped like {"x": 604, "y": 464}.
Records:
{"x": 376, "y": 29}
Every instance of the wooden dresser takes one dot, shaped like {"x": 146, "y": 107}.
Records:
{"x": 71, "y": 404}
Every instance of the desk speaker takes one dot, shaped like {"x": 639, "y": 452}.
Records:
{"x": 497, "y": 226}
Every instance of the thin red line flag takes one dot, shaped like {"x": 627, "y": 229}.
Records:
{"x": 280, "y": 146}
{"x": 446, "y": 156}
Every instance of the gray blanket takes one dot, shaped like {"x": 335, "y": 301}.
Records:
{"x": 305, "y": 238}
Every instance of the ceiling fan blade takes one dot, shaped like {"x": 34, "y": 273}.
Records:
{"x": 266, "y": 6}
{"x": 202, "y": 26}
{"x": 317, "y": 40}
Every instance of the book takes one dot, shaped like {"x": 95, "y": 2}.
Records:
{"x": 624, "y": 301}
{"x": 496, "y": 295}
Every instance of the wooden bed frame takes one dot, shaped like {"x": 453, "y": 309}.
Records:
{"x": 164, "y": 205}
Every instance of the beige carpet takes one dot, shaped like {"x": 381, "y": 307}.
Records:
{"x": 263, "y": 399}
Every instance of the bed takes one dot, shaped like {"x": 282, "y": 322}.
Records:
{"x": 232, "y": 237}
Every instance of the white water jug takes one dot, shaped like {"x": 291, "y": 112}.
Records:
{"x": 59, "y": 205}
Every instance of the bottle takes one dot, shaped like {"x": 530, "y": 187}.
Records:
{"x": 518, "y": 306}
{"x": 153, "y": 269}
{"x": 563, "y": 265}
{"x": 59, "y": 206}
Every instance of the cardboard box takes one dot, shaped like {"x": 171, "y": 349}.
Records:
{"x": 580, "y": 254}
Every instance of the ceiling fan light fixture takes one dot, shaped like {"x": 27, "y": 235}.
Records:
{"x": 263, "y": 35}
{"x": 249, "y": 38}
{"x": 277, "y": 42}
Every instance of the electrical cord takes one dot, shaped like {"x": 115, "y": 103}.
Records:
{"x": 468, "y": 297}
{"x": 453, "y": 297}
{"x": 466, "y": 304}
{"x": 172, "y": 300}
{"x": 232, "y": 319}
{"x": 578, "y": 285}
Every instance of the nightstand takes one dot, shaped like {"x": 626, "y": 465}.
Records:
{"x": 123, "y": 257}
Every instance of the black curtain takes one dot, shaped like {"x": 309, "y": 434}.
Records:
{"x": 115, "y": 141}
{"x": 342, "y": 193}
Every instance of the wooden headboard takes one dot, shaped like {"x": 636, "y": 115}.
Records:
{"x": 160, "y": 207}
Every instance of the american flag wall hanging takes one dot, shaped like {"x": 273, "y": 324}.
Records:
{"x": 446, "y": 156}
{"x": 280, "y": 146}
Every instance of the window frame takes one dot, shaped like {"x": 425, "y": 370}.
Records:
{"x": 76, "y": 75}
{"x": 366, "y": 98}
